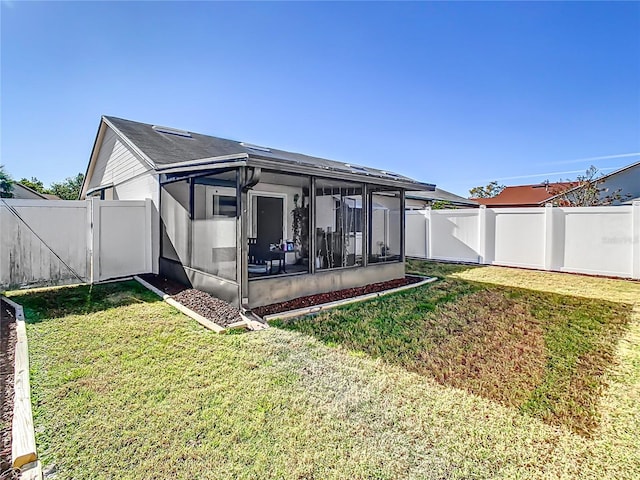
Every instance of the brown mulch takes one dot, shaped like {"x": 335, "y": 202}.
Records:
{"x": 320, "y": 298}
{"x": 224, "y": 314}
{"x": 211, "y": 308}
{"x": 7, "y": 353}
{"x": 170, "y": 287}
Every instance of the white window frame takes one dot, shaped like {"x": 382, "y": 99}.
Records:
{"x": 253, "y": 220}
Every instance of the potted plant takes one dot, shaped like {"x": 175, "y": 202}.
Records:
{"x": 300, "y": 225}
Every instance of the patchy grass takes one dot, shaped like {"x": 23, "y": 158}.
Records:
{"x": 127, "y": 387}
{"x": 543, "y": 353}
{"x": 437, "y": 269}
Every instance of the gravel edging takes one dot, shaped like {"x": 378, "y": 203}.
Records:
{"x": 319, "y": 299}
{"x": 345, "y": 301}
{"x": 7, "y": 353}
{"x": 211, "y": 312}
{"x": 23, "y": 441}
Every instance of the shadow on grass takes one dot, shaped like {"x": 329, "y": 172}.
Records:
{"x": 544, "y": 354}
{"x": 42, "y": 305}
{"x": 437, "y": 269}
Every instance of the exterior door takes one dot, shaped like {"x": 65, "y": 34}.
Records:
{"x": 269, "y": 221}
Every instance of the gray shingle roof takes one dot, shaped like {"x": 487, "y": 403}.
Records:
{"x": 443, "y": 195}
{"x": 165, "y": 149}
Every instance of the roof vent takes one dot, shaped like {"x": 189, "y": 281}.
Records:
{"x": 357, "y": 168}
{"x": 172, "y": 131}
{"x": 255, "y": 147}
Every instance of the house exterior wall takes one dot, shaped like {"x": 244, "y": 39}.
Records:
{"x": 115, "y": 163}
{"x": 414, "y": 204}
{"x": 628, "y": 181}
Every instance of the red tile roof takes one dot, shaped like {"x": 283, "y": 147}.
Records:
{"x": 526, "y": 195}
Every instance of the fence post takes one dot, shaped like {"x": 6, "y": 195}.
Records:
{"x": 635, "y": 239}
{"x": 95, "y": 240}
{"x": 548, "y": 236}
{"x": 482, "y": 234}
{"x": 429, "y": 232}
{"x": 148, "y": 237}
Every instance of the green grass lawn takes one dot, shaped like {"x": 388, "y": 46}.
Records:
{"x": 540, "y": 352}
{"x": 126, "y": 387}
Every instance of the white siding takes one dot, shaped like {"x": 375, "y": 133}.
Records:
{"x": 115, "y": 163}
{"x": 414, "y": 204}
{"x": 628, "y": 182}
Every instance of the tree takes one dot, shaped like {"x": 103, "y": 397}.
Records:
{"x": 442, "y": 205}
{"x": 69, "y": 188}
{"x": 488, "y": 191}
{"x": 6, "y": 184}
{"x": 34, "y": 184}
{"x": 589, "y": 192}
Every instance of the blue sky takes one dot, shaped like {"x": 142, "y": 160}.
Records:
{"x": 456, "y": 94}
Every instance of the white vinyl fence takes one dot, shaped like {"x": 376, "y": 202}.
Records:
{"x": 57, "y": 242}
{"x": 591, "y": 240}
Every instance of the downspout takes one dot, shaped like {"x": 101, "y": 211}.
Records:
{"x": 247, "y": 178}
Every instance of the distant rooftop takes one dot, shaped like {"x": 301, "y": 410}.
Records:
{"x": 442, "y": 195}
{"x": 526, "y": 195}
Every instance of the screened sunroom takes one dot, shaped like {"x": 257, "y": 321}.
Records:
{"x": 255, "y": 236}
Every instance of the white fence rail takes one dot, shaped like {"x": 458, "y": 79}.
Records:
{"x": 44, "y": 242}
{"x": 591, "y": 240}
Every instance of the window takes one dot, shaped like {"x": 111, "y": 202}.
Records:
{"x": 224, "y": 205}
{"x": 385, "y": 209}
{"x": 339, "y": 220}
{"x": 214, "y": 225}
{"x": 199, "y": 224}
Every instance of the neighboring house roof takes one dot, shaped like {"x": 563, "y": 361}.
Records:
{"x": 51, "y": 196}
{"x": 167, "y": 149}
{"x": 21, "y": 191}
{"x": 540, "y": 194}
{"x": 606, "y": 181}
{"x": 526, "y": 195}
{"x": 442, "y": 195}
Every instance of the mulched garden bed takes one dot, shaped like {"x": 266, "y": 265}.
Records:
{"x": 321, "y": 298}
{"x": 7, "y": 353}
{"x": 212, "y": 308}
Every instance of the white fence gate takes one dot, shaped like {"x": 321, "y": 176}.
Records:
{"x": 592, "y": 240}
{"x": 57, "y": 242}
